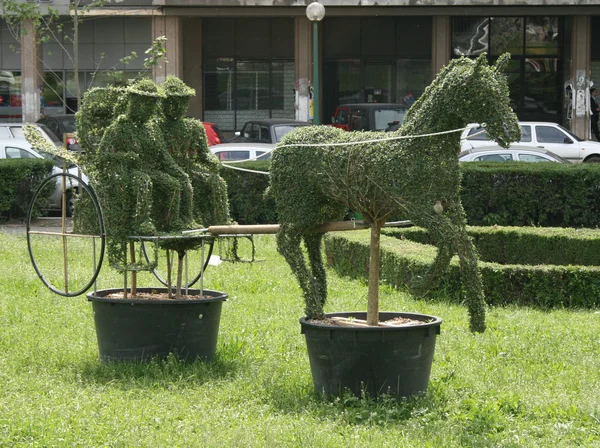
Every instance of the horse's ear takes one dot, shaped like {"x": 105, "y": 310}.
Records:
{"x": 480, "y": 62}
{"x": 502, "y": 62}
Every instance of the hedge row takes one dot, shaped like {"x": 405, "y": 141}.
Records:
{"x": 540, "y": 194}
{"x": 523, "y": 245}
{"x": 507, "y": 194}
{"x": 20, "y": 180}
{"x": 546, "y": 286}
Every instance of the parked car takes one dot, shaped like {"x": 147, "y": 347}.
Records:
{"x": 368, "y": 116}
{"x": 541, "y": 135}
{"x": 269, "y": 130}
{"x": 240, "y": 151}
{"x": 61, "y": 125}
{"x": 21, "y": 149}
{"x": 213, "y": 133}
{"x": 15, "y": 130}
{"x": 513, "y": 154}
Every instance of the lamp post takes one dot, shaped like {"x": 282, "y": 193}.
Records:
{"x": 315, "y": 13}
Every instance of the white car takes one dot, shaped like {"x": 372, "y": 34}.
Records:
{"x": 540, "y": 135}
{"x": 15, "y": 148}
{"x": 515, "y": 153}
{"x": 238, "y": 152}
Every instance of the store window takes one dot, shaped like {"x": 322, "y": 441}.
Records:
{"x": 10, "y": 96}
{"x": 534, "y": 73}
{"x": 375, "y": 60}
{"x": 249, "y": 71}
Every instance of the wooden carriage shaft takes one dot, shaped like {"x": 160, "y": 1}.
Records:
{"x": 264, "y": 229}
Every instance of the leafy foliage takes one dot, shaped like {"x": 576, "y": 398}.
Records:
{"x": 416, "y": 177}
{"x": 150, "y": 166}
{"x": 20, "y": 179}
{"x": 523, "y": 281}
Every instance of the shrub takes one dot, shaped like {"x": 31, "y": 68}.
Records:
{"x": 542, "y": 285}
{"x": 20, "y": 180}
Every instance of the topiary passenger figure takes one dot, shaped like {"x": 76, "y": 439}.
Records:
{"x": 186, "y": 142}
{"x": 132, "y": 159}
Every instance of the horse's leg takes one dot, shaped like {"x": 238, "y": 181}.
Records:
{"x": 289, "y": 245}
{"x": 469, "y": 271}
{"x": 318, "y": 282}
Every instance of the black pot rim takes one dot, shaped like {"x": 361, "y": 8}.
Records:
{"x": 435, "y": 322}
{"x": 98, "y": 296}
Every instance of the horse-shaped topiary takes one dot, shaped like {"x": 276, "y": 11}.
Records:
{"x": 315, "y": 182}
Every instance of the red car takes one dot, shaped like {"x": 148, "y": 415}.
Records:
{"x": 213, "y": 134}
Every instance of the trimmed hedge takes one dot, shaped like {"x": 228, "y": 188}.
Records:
{"x": 546, "y": 286}
{"x": 506, "y": 194}
{"x": 246, "y": 191}
{"x": 20, "y": 180}
{"x": 523, "y": 194}
{"x": 523, "y": 245}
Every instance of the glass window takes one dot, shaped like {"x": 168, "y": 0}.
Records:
{"x": 387, "y": 117}
{"x": 532, "y": 158}
{"x": 525, "y": 133}
{"x": 541, "y": 35}
{"x": 506, "y": 34}
{"x": 10, "y": 96}
{"x": 265, "y": 134}
{"x": 342, "y": 117}
{"x": 412, "y": 77}
{"x": 549, "y": 134}
{"x": 280, "y": 131}
{"x": 18, "y": 153}
{"x": 378, "y": 82}
{"x": 494, "y": 158}
{"x": 260, "y": 156}
{"x": 470, "y": 36}
{"x": 477, "y": 134}
{"x": 359, "y": 120}
{"x": 252, "y": 80}
{"x": 233, "y": 155}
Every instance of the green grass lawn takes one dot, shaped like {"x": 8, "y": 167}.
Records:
{"x": 531, "y": 380}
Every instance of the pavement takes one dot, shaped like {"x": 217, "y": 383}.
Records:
{"x": 47, "y": 224}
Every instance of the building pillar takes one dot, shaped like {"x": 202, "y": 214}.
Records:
{"x": 441, "y": 42}
{"x": 580, "y": 74}
{"x": 31, "y": 73}
{"x": 303, "y": 57}
{"x": 171, "y": 28}
{"x": 192, "y": 73}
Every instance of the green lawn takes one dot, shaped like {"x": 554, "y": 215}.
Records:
{"x": 532, "y": 380}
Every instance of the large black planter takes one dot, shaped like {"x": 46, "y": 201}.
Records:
{"x": 136, "y": 330}
{"x": 376, "y": 360}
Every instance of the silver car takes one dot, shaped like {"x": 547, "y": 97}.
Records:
{"x": 15, "y": 148}
{"x": 514, "y": 153}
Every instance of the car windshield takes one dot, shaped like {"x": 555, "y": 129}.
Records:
{"x": 383, "y": 117}
{"x": 68, "y": 123}
{"x": 570, "y": 133}
{"x": 280, "y": 131}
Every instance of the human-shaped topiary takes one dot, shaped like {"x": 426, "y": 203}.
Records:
{"x": 186, "y": 141}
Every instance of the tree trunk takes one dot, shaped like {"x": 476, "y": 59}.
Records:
{"x": 374, "y": 268}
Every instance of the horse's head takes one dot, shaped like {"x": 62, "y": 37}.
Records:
{"x": 472, "y": 91}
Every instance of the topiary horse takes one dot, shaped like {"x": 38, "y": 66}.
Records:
{"x": 416, "y": 178}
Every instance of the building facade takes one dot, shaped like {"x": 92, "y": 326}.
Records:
{"x": 253, "y": 58}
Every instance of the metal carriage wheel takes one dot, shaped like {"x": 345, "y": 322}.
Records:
{"x": 49, "y": 274}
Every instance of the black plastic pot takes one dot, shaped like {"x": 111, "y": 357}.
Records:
{"x": 137, "y": 330}
{"x": 372, "y": 360}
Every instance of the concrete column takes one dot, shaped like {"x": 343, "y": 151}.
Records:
{"x": 580, "y": 74}
{"x": 441, "y": 42}
{"x": 31, "y": 73}
{"x": 192, "y": 63}
{"x": 303, "y": 58}
{"x": 171, "y": 27}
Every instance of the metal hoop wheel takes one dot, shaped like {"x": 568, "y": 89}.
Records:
{"x": 65, "y": 247}
{"x": 204, "y": 260}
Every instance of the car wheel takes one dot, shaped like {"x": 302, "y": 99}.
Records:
{"x": 593, "y": 160}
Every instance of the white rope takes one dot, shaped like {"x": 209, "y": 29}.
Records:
{"x": 432, "y": 134}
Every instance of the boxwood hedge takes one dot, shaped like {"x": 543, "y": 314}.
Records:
{"x": 555, "y": 282}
